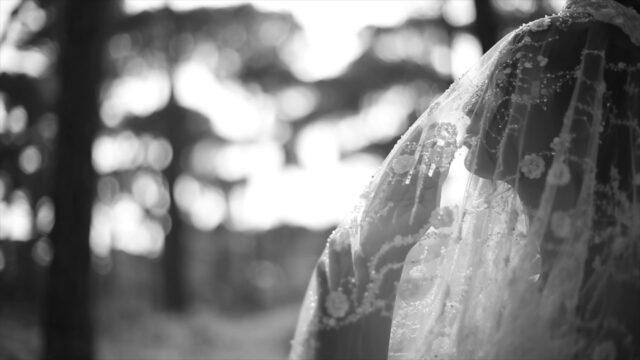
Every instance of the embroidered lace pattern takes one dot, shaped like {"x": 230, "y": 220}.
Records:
{"x": 506, "y": 221}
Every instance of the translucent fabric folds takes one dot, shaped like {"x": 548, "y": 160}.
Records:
{"x": 505, "y": 224}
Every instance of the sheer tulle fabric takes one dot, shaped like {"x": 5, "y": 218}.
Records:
{"x": 505, "y": 224}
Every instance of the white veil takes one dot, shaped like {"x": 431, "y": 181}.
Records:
{"x": 506, "y": 222}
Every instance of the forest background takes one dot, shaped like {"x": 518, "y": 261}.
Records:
{"x": 170, "y": 170}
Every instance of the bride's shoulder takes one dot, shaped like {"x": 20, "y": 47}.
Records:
{"x": 554, "y": 26}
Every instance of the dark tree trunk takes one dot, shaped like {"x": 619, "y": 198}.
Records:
{"x": 172, "y": 256}
{"x": 486, "y": 25}
{"x": 174, "y": 117}
{"x": 67, "y": 324}
{"x": 174, "y": 286}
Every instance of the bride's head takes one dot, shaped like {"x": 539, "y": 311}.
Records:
{"x": 635, "y": 4}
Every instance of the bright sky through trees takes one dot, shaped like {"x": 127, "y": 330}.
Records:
{"x": 316, "y": 192}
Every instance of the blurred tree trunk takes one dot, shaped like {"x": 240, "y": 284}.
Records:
{"x": 67, "y": 324}
{"x": 486, "y": 25}
{"x": 176, "y": 119}
{"x": 172, "y": 256}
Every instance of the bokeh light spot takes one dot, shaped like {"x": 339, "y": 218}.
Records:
{"x": 466, "y": 51}
{"x": 295, "y": 102}
{"x": 237, "y": 114}
{"x": 33, "y": 62}
{"x": 117, "y": 152}
{"x": 138, "y": 93}
{"x": 459, "y": 12}
{"x": 209, "y": 209}
{"x": 158, "y": 153}
{"x": 320, "y": 135}
{"x": 42, "y": 251}
{"x": 205, "y": 205}
{"x": 146, "y": 189}
{"x": 17, "y": 119}
{"x": 522, "y": 6}
{"x": 30, "y": 159}
{"x": 17, "y": 217}
{"x": 123, "y": 225}
{"x": 233, "y": 162}
{"x": 45, "y": 215}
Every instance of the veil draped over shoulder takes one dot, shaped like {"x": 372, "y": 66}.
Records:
{"x": 505, "y": 223}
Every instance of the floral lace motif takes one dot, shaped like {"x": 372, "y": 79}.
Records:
{"x": 532, "y": 166}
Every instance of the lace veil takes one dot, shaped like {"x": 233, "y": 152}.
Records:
{"x": 506, "y": 221}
